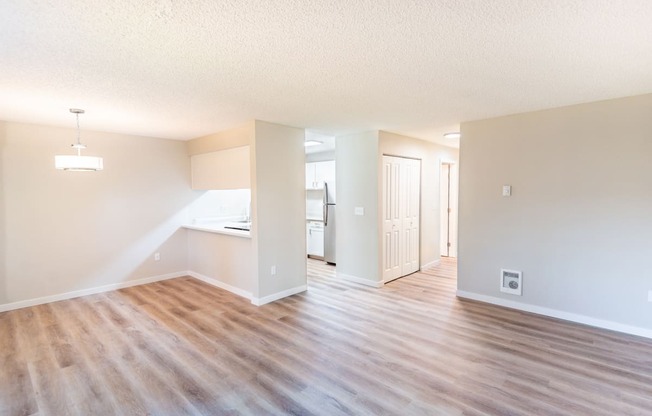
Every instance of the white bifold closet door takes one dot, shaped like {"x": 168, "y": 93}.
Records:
{"x": 401, "y": 206}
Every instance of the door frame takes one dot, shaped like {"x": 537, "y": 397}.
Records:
{"x": 450, "y": 205}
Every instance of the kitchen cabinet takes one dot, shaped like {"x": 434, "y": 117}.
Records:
{"x": 224, "y": 169}
{"x": 318, "y": 173}
{"x": 315, "y": 238}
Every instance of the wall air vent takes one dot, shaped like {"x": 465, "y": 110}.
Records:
{"x": 511, "y": 281}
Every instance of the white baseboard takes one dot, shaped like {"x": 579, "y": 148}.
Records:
{"x": 85, "y": 292}
{"x": 431, "y": 264}
{"x": 214, "y": 282}
{"x": 107, "y": 288}
{"x": 247, "y": 295}
{"x": 279, "y": 295}
{"x": 360, "y": 280}
{"x": 555, "y": 313}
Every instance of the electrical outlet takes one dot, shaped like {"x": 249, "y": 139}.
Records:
{"x": 273, "y": 271}
{"x": 157, "y": 256}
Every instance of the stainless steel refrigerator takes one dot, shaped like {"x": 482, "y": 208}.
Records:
{"x": 329, "y": 223}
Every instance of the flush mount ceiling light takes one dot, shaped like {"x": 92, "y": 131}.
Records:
{"x": 453, "y": 135}
{"x": 309, "y": 143}
{"x": 78, "y": 162}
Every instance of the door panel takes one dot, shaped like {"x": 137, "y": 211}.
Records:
{"x": 401, "y": 221}
{"x": 391, "y": 222}
{"x": 411, "y": 217}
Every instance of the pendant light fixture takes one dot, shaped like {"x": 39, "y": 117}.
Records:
{"x": 78, "y": 162}
{"x": 454, "y": 135}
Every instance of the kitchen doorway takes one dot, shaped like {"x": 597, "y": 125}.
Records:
{"x": 321, "y": 199}
{"x": 448, "y": 208}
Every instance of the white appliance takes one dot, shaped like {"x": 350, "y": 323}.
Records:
{"x": 329, "y": 223}
{"x": 315, "y": 240}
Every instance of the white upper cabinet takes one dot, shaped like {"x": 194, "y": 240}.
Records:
{"x": 310, "y": 176}
{"x": 317, "y": 173}
{"x": 225, "y": 169}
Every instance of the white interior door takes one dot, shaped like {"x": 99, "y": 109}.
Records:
{"x": 391, "y": 219}
{"x": 411, "y": 215}
{"x": 401, "y": 216}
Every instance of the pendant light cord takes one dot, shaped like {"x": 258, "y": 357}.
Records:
{"x": 78, "y": 136}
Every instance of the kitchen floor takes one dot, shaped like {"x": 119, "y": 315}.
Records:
{"x": 319, "y": 268}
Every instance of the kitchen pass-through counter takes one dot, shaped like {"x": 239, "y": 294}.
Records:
{"x": 237, "y": 227}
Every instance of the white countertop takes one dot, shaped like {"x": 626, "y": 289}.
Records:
{"x": 216, "y": 226}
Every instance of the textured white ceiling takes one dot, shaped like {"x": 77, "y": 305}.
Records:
{"x": 181, "y": 69}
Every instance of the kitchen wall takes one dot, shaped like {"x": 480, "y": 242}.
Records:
{"x": 578, "y": 222}
{"x": 220, "y": 203}
{"x": 69, "y": 231}
{"x": 278, "y": 234}
{"x": 227, "y": 259}
{"x": 320, "y": 156}
{"x": 231, "y": 261}
{"x": 279, "y": 209}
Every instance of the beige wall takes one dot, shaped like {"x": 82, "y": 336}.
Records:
{"x": 579, "y": 222}
{"x": 279, "y": 208}
{"x": 431, "y": 156}
{"x": 359, "y": 184}
{"x": 225, "y": 258}
{"x": 356, "y": 158}
{"x": 227, "y": 139}
{"x": 3, "y": 234}
{"x": 67, "y": 231}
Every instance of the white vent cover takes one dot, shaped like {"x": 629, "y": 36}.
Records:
{"x": 511, "y": 281}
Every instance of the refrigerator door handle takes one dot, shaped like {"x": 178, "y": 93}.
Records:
{"x": 325, "y": 216}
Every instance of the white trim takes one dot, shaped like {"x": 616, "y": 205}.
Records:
{"x": 384, "y": 282}
{"x": 399, "y": 277}
{"x": 279, "y": 295}
{"x": 555, "y": 313}
{"x": 360, "y": 280}
{"x": 214, "y": 282}
{"x": 91, "y": 291}
{"x": 107, "y": 288}
{"x": 431, "y": 264}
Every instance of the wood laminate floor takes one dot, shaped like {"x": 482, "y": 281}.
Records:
{"x": 181, "y": 347}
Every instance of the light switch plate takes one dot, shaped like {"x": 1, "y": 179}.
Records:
{"x": 507, "y": 190}
{"x": 358, "y": 211}
{"x": 649, "y": 295}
